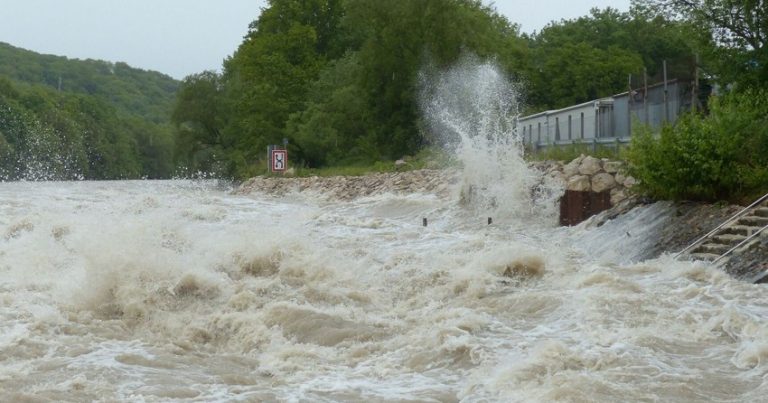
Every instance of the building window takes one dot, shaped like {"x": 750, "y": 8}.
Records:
{"x": 569, "y": 127}
{"x": 557, "y": 128}
{"x": 582, "y": 124}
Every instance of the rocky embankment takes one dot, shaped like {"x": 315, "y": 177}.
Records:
{"x": 582, "y": 174}
{"x": 683, "y": 222}
{"x": 590, "y": 174}
{"x": 437, "y": 181}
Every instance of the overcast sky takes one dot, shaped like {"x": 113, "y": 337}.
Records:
{"x": 181, "y": 37}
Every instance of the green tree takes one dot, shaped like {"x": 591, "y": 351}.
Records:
{"x": 734, "y": 32}
{"x": 268, "y": 77}
{"x": 577, "y": 60}
{"x": 720, "y": 156}
{"x": 198, "y": 119}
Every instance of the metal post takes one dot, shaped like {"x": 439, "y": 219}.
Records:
{"x": 695, "y": 89}
{"x": 645, "y": 95}
{"x": 630, "y": 102}
{"x": 666, "y": 95}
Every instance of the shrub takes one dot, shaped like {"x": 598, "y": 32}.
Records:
{"x": 719, "y": 156}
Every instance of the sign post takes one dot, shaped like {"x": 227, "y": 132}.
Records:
{"x": 278, "y": 160}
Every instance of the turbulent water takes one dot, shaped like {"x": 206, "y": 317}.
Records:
{"x": 179, "y": 290}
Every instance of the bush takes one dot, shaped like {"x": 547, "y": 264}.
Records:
{"x": 720, "y": 156}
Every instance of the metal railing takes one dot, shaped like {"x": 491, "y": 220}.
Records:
{"x": 723, "y": 224}
{"x": 745, "y": 241}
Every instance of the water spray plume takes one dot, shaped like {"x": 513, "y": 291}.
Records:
{"x": 472, "y": 107}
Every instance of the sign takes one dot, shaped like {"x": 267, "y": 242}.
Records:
{"x": 279, "y": 160}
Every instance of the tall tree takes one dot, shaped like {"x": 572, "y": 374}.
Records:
{"x": 577, "y": 60}
{"x": 736, "y": 31}
{"x": 198, "y": 118}
{"x": 268, "y": 77}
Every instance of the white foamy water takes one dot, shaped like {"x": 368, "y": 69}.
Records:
{"x": 179, "y": 291}
{"x": 164, "y": 291}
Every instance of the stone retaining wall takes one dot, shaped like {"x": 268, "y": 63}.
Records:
{"x": 590, "y": 174}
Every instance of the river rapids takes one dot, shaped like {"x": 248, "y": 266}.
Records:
{"x": 154, "y": 291}
{"x": 183, "y": 291}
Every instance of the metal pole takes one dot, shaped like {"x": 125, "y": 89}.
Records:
{"x": 645, "y": 94}
{"x": 630, "y": 101}
{"x": 695, "y": 89}
{"x": 666, "y": 95}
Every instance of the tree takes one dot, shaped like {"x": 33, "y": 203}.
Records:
{"x": 577, "y": 60}
{"x": 735, "y": 33}
{"x": 267, "y": 78}
{"x": 198, "y": 119}
{"x": 66, "y": 119}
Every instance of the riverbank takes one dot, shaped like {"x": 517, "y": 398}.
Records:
{"x": 676, "y": 225}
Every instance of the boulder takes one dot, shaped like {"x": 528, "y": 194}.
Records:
{"x": 620, "y": 178}
{"x": 618, "y": 195}
{"x": 579, "y": 183}
{"x": 572, "y": 168}
{"x": 590, "y": 166}
{"x": 602, "y": 182}
{"x": 629, "y": 182}
{"x": 558, "y": 177}
{"x": 612, "y": 167}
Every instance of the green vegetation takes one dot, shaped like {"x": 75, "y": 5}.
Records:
{"x": 719, "y": 156}
{"x": 339, "y": 79}
{"x": 427, "y": 158}
{"x": 722, "y": 154}
{"x": 569, "y": 152}
{"x": 70, "y": 119}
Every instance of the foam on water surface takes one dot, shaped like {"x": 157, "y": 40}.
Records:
{"x": 179, "y": 291}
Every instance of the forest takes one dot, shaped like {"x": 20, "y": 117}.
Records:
{"x": 83, "y": 119}
{"x": 338, "y": 80}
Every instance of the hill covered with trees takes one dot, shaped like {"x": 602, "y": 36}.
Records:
{"x": 64, "y": 119}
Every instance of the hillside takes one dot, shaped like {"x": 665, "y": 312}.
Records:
{"x": 64, "y": 118}
{"x": 131, "y": 90}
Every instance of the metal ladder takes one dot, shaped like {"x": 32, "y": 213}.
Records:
{"x": 738, "y": 231}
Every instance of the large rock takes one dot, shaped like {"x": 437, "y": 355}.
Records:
{"x": 612, "y": 166}
{"x": 620, "y": 178}
{"x": 629, "y": 182}
{"x": 618, "y": 195}
{"x": 590, "y": 166}
{"x": 602, "y": 182}
{"x": 579, "y": 183}
{"x": 572, "y": 168}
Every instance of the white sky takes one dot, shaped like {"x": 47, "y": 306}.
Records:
{"x": 181, "y": 37}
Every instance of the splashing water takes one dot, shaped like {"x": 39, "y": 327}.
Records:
{"x": 178, "y": 291}
{"x": 473, "y": 107}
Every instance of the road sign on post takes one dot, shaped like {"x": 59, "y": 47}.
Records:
{"x": 279, "y": 160}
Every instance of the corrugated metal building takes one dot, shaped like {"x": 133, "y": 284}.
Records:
{"x": 606, "y": 120}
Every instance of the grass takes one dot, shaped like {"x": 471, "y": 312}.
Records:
{"x": 428, "y": 158}
{"x": 569, "y": 152}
